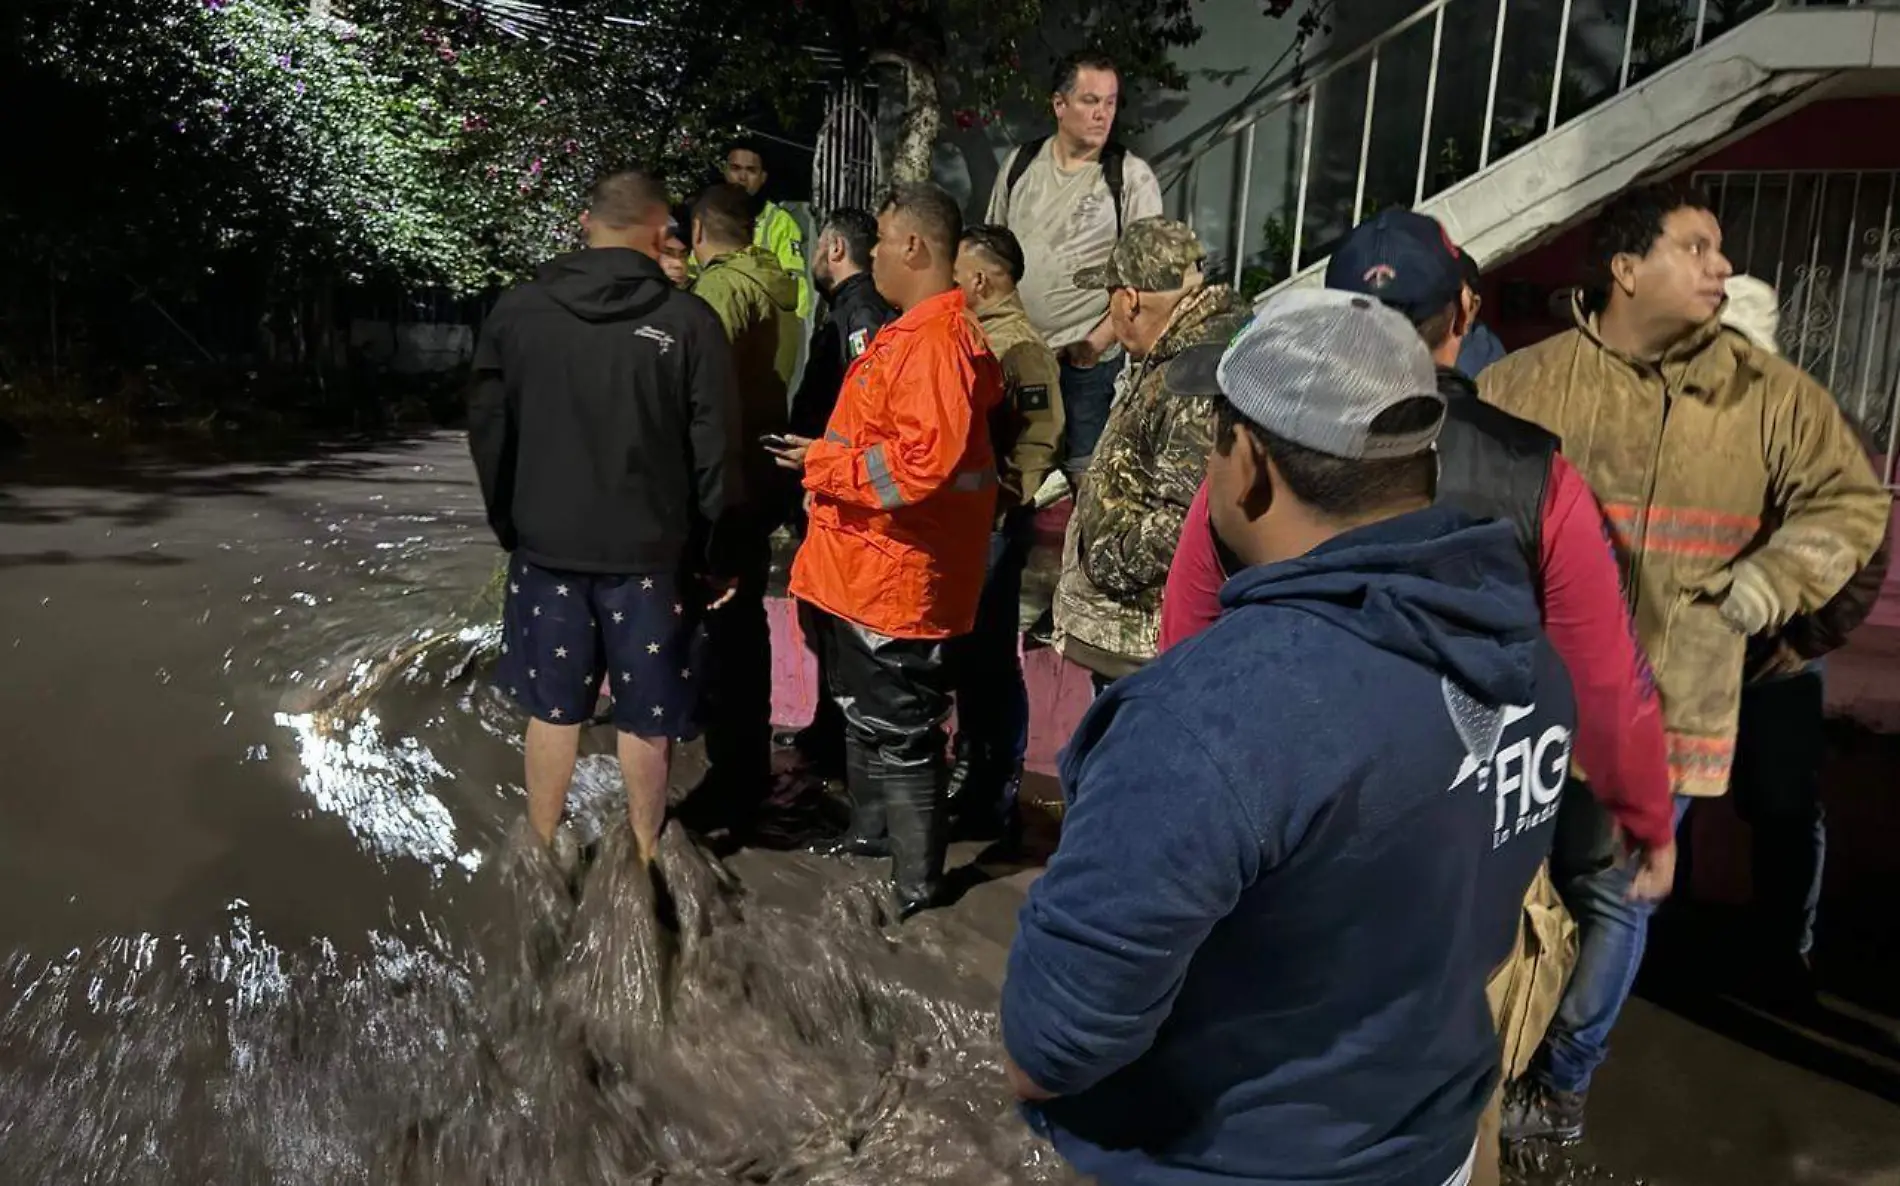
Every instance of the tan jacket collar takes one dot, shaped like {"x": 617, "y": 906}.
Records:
{"x": 1009, "y": 309}
{"x": 1700, "y": 363}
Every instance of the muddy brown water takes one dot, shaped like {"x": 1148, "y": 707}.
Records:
{"x": 264, "y": 917}
{"x": 271, "y": 919}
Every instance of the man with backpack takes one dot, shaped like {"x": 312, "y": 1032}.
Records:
{"x": 1067, "y": 198}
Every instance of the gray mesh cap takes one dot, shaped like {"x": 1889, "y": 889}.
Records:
{"x": 1317, "y": 366}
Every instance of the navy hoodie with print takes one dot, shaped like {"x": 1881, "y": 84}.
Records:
{"x": 1295, "y": 848}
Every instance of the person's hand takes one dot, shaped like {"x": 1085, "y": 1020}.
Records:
{"x": 807, "y": 503}
{"x": 1021, "y": 1085}
{"x": 1655, "y": 874}
{"x": 1749, "y": 604}
{"x": 791, "y": 454}
{"x": 724, "y": 590}
{"x": 1081, "y": 354}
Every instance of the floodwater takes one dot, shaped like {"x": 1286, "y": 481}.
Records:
{"x": 272, "y": 920}
{"x": 265, "y": 918}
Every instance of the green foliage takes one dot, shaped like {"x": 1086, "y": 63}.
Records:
{"x": 989, "y": 54}
{"x": 1269, "y": 265}
{"x": 242, "y": 161}
{"x": 417, "y": 144}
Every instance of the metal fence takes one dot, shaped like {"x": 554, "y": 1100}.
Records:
{"x": 845, "y": 168}
{"x": 1829, "y": 243}
{"x": 1395, "y": 119}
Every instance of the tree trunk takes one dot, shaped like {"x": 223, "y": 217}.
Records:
{"x": 923, "y": 117}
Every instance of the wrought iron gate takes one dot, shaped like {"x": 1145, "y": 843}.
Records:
{"x": 845, "y": 169}
{"x": 1830, "y": 244}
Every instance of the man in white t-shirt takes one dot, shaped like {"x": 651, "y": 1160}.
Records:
{"x": 1060, "y": 196}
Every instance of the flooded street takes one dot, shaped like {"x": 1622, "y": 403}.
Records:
{"x": 269, "y": 921}
{"x": 168, "y": 626}
{"x": 266, "y": 921}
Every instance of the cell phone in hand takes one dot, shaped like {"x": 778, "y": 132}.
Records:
{"x": 772, "y": 440}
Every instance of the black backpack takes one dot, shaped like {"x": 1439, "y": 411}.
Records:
{"x": 1113, "y": 155}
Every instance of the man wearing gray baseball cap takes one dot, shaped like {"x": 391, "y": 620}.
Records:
{"x": 1296, "y": 844}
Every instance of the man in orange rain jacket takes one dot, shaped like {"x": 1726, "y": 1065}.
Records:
{"x": 902, "y": 491}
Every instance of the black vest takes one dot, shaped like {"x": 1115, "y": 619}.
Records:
{"x": 1494, "y": 465}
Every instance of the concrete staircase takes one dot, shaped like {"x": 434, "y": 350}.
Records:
{"x": 1554, "y": 163}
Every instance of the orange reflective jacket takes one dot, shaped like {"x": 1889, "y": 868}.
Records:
{"x": 903, "y": 484}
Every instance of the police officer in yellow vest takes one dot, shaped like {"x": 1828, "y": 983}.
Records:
{"x": 775, "y": 229}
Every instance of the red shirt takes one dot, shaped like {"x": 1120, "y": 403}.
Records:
{"x": 1619, "y": 718}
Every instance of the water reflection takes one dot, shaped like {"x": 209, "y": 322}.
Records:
{"x": 380, "y": 787}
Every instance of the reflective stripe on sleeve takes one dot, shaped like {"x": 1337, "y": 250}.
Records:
{"x": 888, "y": 495}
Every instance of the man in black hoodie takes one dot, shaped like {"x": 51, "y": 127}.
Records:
{"x": 603, "y": 422}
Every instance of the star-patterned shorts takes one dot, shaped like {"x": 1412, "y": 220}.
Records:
{"x": 562, "y": 631}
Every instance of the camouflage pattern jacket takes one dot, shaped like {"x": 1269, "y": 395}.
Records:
{"x": 1135, "y": 496}
{"x": 1717, "y": 455}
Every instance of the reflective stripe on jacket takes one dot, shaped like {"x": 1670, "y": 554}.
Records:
{"x": 903, "y": 483}
{"x": 1718, "y": 453}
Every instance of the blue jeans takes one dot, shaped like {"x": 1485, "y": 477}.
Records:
{"x": 1086, "y": 397}
{"x": 992, "y": 700}
{"x": 1612, "y": 932}
{"x": 1777, "y": 787}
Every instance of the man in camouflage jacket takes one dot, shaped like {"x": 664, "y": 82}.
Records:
{"x": 1152, "y": 455}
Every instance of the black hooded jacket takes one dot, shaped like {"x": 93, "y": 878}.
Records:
{"x": 604, "y": 417}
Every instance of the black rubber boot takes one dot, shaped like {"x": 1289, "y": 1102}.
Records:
{"x": 1536, "y": 1112}
{"x": 1009, "y": 811}
{"x": 919, "y": 831}
{"x": 868, "y": 835}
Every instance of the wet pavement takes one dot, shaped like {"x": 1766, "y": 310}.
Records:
{"x": 157, "y": 617}
{"x": 257, "y": 855}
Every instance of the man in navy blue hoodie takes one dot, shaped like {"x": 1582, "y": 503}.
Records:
{"x": 1296, "y": 845}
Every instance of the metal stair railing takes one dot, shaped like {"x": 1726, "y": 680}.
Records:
{"x": 1180, "y": 166}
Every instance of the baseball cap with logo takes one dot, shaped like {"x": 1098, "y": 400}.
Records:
{"x": 1316, "y": 366}
{"x": 1153, "y": 255}
{"x": 1402, "y": 257}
